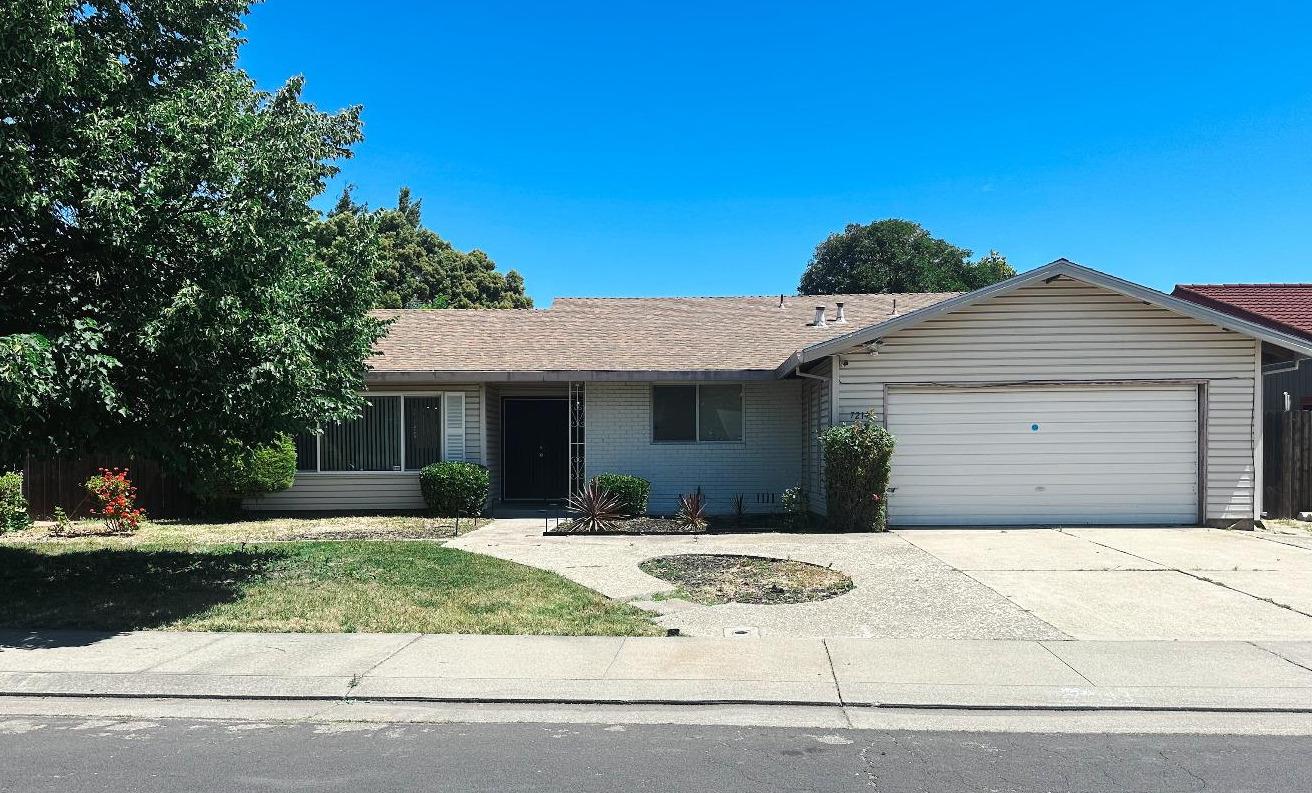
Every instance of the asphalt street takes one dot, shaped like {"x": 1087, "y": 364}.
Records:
{"x": 80, "y": 755}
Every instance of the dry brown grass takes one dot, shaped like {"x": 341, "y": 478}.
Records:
{"x": 259, "y": 529}
{"x": 722, "y": 578}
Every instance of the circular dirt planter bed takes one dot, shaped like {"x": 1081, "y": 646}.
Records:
{"x": 726, "y": 578}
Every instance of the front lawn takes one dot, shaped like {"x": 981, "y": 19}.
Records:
{"x": 345, "y": 586}
{"x": 267, "y": 529}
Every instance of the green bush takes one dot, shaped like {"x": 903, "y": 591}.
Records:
{"x": 13, "y": 506}
{"x": 797, "y": 507}
{"x": 239, "y": 472}
{"x": 454, "y": 489}
{"x": 857, "y": 467}
{"x": 632, "y": 491}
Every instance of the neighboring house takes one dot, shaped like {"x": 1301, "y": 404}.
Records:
{"x": 1060, "y": 396}
{"x": 1283, "y": 307}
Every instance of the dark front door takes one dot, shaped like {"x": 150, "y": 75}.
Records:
{"x": 535, "y": 449}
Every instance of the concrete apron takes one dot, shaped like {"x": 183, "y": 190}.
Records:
{"x": 887, "y": 673}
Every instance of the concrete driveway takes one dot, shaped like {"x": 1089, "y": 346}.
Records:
{"x": 1117, "y": 584}
{"x": 1189, "y": 584}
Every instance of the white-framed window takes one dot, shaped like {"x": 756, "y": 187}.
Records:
{"x": 395, "y": 433}
{"x": 697, "y": 413}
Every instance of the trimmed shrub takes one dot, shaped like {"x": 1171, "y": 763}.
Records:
{"x": 241, "y": 472}
{"x": 633, "y": 492}
{"x": 13, "y": 506}
{"x": 857, "y": 467}
{"x": 453, "y": 489}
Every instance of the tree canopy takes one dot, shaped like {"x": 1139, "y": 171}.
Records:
{"x": 896, "y": 256}
{"x": 419, "y": 269}
{"x": 160, "y": 287}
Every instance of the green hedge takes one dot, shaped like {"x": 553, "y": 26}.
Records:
{"x": 239, "y": 472}
{"x": 633, "y": 491}
{"x": 13, "y": 506}
{"x": 454, "y": 489}
{"x": 857, "y": 467}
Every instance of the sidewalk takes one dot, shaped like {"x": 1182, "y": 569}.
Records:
{"x": 1274, "y": 676}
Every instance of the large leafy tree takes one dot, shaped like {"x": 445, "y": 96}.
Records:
{"x": 160, "y": 288}
{"x": 419, "y": 269}
{"x": 896, "y": 256}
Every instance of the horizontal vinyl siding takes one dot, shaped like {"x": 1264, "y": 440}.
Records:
{"x": 768, "y": 460}
{"x": 343, "y": 491}
{"x": 1068, "y": 331}
{"x": 492, "y": 409}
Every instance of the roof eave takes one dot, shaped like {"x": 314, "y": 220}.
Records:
{"x": 1048, "y": 271}
{"x": 428, "y": 377}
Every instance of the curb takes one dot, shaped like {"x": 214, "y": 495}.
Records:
{"x": 900, "y": 706}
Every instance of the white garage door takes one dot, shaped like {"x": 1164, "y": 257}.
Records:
{"x": 1044, "y": 455}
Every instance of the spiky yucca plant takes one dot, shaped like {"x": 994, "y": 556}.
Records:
{"x": 739, "y": 510}
{"x": 595, "y": 508}
{"x": 692, "y": 509}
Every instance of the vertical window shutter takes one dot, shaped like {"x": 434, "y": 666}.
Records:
{"x": 453, "y": 423}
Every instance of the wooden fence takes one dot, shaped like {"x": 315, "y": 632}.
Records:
{"x": 1287, "y": 463}
{"x": 61, "y": 482}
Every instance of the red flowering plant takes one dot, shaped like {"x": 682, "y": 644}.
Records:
{"x": 115, "y": 500}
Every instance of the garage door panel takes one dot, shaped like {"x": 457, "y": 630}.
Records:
{"x": 1044, "y": 455}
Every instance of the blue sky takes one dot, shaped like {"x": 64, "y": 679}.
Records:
{"x": 705, "y": 148}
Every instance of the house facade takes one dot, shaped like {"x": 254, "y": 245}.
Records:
{"x": 1063, "y": 396}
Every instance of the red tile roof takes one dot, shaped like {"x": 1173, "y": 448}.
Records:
{"x": 1284, "y": 307}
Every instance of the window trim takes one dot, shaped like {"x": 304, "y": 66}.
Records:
{"x": 696, "y": 415}
{"x": 441, "y": 439}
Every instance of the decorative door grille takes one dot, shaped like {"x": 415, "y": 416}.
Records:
{"x": 576, "y": 448}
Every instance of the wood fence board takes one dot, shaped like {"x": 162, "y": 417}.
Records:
{"x": 1287, "y": 463}
{"x": 61, "y": 482}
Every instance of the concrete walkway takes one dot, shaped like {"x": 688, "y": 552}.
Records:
{"x": 1100, "y": 583}
{"x": 1274, "y": 676}
{"x": 901, "y": 591}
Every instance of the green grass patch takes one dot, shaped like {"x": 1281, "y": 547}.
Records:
{"x": 344, "y": 586}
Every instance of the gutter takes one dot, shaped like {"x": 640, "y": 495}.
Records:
{"x": 1282, "y": 368}
{"x": 425, "y": 377}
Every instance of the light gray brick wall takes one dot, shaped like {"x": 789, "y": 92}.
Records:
{"x": 768, "y": 460}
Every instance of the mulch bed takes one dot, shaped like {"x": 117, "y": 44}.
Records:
{"x": 631, "y": 526}
{"x": 726, "y": 578}
{"x": 717, "y": 524}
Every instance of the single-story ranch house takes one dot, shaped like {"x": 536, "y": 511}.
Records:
{"x": 1060, "y": 396}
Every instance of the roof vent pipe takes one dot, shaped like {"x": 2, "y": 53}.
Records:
{"x": 819, "y": 317}
{"x": 781, "y": 300}
{"x": 841, "y": 318}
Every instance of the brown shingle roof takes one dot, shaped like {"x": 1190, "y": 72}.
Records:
{"x": 661, "y": 334}
{"x": 1284, "y": 307}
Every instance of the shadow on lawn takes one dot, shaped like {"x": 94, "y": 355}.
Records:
{"x": 115, "y": 590}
